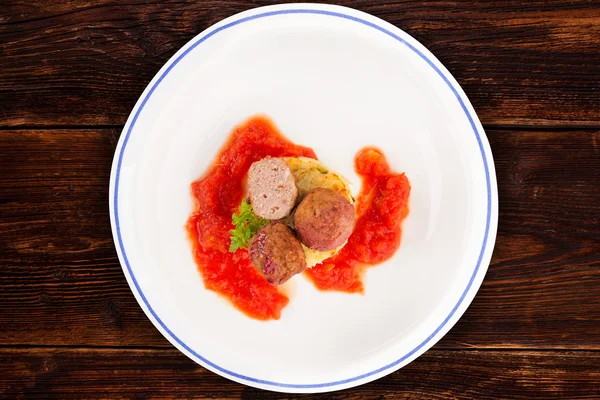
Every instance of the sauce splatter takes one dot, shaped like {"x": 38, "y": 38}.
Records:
{"x": 218, "y": 195}
{"x": 381, "y": 207}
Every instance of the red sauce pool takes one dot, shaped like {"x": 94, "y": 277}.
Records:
{"x": 381, "y": 206}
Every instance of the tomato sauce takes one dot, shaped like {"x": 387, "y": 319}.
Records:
{"x": 218, "y": 195}
{"x": 381, "y": 207}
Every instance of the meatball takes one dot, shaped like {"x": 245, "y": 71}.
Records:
{"x": 324, "y": 219}
{"x": 276, "y": 253}
{"x": 271, "y": 188}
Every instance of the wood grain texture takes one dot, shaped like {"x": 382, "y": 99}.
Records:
{"x": 543, "y": 284}
{"x": 167, "y": 374}
{"x": 85, "y": 63}
{"x": 62, "y": 284}
{"x": 70, "y": 327}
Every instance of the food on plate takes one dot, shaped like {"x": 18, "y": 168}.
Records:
{"x": 277, "y": 253}
{"x": 310, "y": 174}
{"x": 267, "y": 210}
{"x": 283, "y": 183}
{"x": 324, "y": 219}
{"x": 271, "y": 188}
{"x": 246, "y": 225}
{"x": 381, "y": 206}
{"x": 321, "y": 223}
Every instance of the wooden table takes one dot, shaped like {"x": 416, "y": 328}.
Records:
{"x": 71, "y": 71}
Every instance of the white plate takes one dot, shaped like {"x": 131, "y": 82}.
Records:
{"x": 333, "y": 79}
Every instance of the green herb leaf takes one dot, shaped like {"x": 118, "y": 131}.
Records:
{"x": 246, "y": 225}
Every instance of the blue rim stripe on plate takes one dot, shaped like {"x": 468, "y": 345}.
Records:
{"x": 462, "y": 104}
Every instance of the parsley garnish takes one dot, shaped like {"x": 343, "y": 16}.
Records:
{"x": 246, "y": 225}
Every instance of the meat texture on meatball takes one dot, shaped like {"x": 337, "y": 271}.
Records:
{"x": 277, "y": 253}
{"x": 324, "y": 219}
{"x": 271, "y": 188}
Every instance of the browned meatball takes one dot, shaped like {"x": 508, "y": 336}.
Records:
{"x": 276, "y": 253}
{"x": 271, "y": 188}
{"x": 324, "y": 219}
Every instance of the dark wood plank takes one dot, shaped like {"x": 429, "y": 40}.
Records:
{"x": 81, "y": 63}
{"x": 150, "y": 374}
{"x": 60, "y": 277}
{"x": 543, "y": 285}
{"x": 61, "y": 283}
